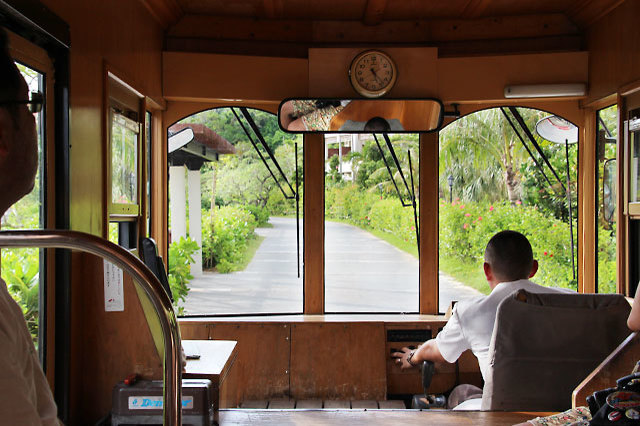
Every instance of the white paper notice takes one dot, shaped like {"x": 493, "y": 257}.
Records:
{"x": 113, "y": 292}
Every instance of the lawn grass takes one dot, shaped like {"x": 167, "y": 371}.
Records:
{"x": 468, "y": 273}
{"x": 252, "y": 246}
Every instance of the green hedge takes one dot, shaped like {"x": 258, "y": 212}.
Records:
{"x": 369, "y": 210}
{"x": 465, "y": 229}
{"x": 225, "y": 237}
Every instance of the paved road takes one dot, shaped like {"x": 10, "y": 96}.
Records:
{"x": 362, "y": 274}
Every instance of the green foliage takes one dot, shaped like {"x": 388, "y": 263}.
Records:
{"x": 180, "y": 258}
{"x": 370, "y": 211}
{"x": 260, "y": 214}
{"x": 278, "y": 205}
{"x": 20, "y": 270}
{"x": 225, "y": 237}
{"x": 465, "y": 229}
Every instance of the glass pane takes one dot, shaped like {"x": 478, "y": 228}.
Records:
{"x": 606, "y": 170}
{"x": 23, "y": 269}
{"x": 124, "y": 159}
{"x": 149, "y": 146}
{"x": 371, "y": 255}
{"x": 634, "y": 166}
{"x": 488, "y": 183}
{"x": 228, "y": 213}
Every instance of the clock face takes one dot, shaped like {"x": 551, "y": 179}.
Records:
{"x": 372, "y": 73}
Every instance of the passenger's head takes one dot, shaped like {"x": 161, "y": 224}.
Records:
{"x": 18, "y": 143}
{"x": 508, "y": 257}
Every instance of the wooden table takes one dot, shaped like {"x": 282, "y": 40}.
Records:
{"x": 216, "y": 359}
{"x": 241, "y": 417}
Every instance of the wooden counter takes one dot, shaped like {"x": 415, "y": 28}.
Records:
{"x": 216, "y": 359}
{"x": 240, "y": 417}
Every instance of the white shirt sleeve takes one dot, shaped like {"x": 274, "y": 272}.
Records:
{"x": 451, "y": 341}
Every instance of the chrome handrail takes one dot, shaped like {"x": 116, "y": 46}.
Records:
{"x": 172, "y": 392}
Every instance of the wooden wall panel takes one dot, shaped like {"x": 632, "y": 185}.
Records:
{"x": 417, "y": 75}
{"x": 105, "y": 347}
{"x": 189, "y": 76}
{"x": 262, "y": 366}
{"x": 338, "y": 361}
{"x": 421, "y": 73}
{"x": 109, "y": 345}
{"x": 618, "y": 364}
{"x": 614, "y": 50}
{"x": 123, "y": 34}
{"x": 484, "y": 78}
{"x": 194, "y": 330}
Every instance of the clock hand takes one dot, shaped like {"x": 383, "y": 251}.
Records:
{"x": 373, "y": 71}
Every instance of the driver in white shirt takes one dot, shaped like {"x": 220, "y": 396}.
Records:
{"x": 508, "y": 265}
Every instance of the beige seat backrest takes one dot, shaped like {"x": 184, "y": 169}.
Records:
{"x": 544, "y": 345}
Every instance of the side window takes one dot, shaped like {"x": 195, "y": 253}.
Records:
{"x": 125, "y": 191}
{"x": 606, "y": 195}
{"x": 148, "y": 168}
{"x": 25, "y": 270}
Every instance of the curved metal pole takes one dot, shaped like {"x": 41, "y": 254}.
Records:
{"x": 172, "y": 392}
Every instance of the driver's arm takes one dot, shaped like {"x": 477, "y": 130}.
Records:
{"x": 428, "y": 351}
{"x": 446, "y": 347}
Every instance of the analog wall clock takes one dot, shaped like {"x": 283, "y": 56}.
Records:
{"x": 372, "y": 73}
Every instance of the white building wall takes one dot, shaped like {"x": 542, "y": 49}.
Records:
{"x": 195, "y": 218}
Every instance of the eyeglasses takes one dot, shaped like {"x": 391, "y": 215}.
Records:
{"x": 35, "y": 102}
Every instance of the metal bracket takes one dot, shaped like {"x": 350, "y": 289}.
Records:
{"x": 455, "y": 113}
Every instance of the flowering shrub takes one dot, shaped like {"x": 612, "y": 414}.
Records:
{"x": 466, "y": 229}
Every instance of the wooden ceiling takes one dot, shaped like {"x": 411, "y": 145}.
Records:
{"x": 290, "y": 27}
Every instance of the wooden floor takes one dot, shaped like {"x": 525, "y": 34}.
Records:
{"x": 241, "y": 417}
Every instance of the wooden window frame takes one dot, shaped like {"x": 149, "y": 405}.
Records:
{"x": 121, "y": 96}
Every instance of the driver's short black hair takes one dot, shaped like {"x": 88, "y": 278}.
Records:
{"x": 510, "y": 255}
{"x": 10, "y": 78}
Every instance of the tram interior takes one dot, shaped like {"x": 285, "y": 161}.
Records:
{"x": 145, "y": 102}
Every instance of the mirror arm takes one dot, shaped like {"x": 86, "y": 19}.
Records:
{"x": 455, "y": 113}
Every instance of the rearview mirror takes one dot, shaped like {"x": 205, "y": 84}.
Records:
{"x": 329, "y": 115}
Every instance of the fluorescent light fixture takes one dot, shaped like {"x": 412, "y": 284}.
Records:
{"x": 545, "y": 90}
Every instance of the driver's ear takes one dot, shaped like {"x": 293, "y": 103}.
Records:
{"x": 487, "y": 271}
{"x": 534, "y": 268}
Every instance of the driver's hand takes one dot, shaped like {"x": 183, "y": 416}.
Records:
{"x": 401, "y": 358}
